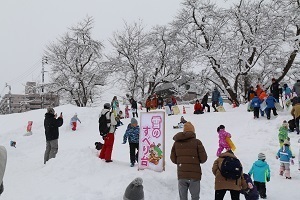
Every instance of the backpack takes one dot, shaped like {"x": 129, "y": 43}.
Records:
{"x": 103, "y": 128}
{"x": 231, "y": 168}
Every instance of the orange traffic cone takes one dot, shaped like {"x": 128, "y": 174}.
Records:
{"x": 183, "y": 110}
{"x": 233, "y": 104}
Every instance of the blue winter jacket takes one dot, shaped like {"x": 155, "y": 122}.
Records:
{"x": 215, "y": 95}
{"x": 260, "y": 170}
{"x": 270, "y": 101}
{"x": 284, "y": 154}
{"x": 132, "y": 133}
{"x": 255, "y": 102}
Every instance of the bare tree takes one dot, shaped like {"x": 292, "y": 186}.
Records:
{"x": 76, "y": 64}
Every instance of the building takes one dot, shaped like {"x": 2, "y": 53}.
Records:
{"x": 31, "y": 100}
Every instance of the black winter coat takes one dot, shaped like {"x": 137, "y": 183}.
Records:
{"x": 204, "y": 100}
{"x": 133, "y": 104}
{"x": 275, "y": 90}
{"x": 51, "y": 126}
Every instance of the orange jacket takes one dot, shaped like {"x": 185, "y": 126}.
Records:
{"x": 258, "y": 91}
{"x": 148, "y": 103}
{"x": 263, "y": 95}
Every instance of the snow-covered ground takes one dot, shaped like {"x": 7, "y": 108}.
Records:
{"x": 78, "y": 174}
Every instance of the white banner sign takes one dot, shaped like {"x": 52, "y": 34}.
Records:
{"x": 152, "y": 141}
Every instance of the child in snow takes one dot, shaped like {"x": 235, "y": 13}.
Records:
{"x": 287, "y": 91}
{"x": 73, "y": 122}
{"x": 132, "y": 134}
{"x": 127, "y": 111}
{"x": 220, "y": 101}
{"x": 121, "y": 116}
{"x": 251, "y": 192}
{"x": 255, "y": 104}
{"x": 284, "y": 154}
{"x": 118, "y": 120}
{"x": 181, "y": 123}
{"x": 222, "y": 139}
{"x": 270, "y": 101}
{"x": 261, "y": 174}
{"x": 283, "y": 133}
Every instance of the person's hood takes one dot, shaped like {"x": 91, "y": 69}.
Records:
{"x": 104, "y": 111}
{"x": 49, "y": 115}
{"x": 184, "y": 136}
{"x": 260, "y": 163}
{"x": 227, "y": 154}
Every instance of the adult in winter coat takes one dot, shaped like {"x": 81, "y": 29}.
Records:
{"x": 204, "y": 102}
{"x": 188, "y": 153}
{"x": 251, "y": 93}
{"x": 198, "y": 108}
{"x": 275, "y": 90}
{"x": 295, "y": 112}
{"x": 223, "y": 184}
{"x": 261, "y": 174}
{"x": 270, "y": 101}
{"x": 148, "y": 104}
{"x": 51, "y": 124}
{"x": 3, "y": 158}
{"x": 255, "y": 104}
{"x": 132, "y": 134}
{"x": 115, "y": 105}
{"x": 73, "y": 122}
{"x": 174, "y": 101}
{"x": 134, "y": 107}
{"x": 296, "y": 88}
{"x": 215, "y": 98}
{"x": 109, "y": 139}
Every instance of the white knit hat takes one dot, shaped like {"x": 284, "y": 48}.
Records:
{"x": 134, "y": 190}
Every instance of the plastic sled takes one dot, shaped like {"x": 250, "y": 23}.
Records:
{"x": 221, "y": 109}
{"x": 176, "y": 110}
{"x": 231, "y": 144}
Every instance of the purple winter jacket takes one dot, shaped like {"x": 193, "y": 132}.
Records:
{"x": 222, "y": 138}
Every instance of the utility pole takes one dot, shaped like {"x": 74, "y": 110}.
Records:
{"x": 9, "y": 98}
{"x": 44, "y": 61}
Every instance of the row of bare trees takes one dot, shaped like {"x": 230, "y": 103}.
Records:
{"x": 232, "y": 48}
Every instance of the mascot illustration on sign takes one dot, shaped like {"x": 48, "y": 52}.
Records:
{"x": 155, "y": 153}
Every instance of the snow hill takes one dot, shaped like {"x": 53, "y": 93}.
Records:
{"x": 78, "y": 174}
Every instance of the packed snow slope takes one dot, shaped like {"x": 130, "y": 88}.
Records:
{"x": 78, "y": 174}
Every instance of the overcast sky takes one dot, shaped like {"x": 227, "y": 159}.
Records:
{"x": 27, "y": 26}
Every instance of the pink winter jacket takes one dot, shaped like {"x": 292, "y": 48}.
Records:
{"x": 222, "y": 138}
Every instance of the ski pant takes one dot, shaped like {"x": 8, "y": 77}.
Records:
{"x": 107, "y": 147}
{"x": 214, "y": 104}
{"x": 189, "y": 184}
{"x": 219, "y": 194}
{"x": 256, "y": 112}
{"x": 262, "y": 113}
{"x": 148, "y": 109}
{"x": 135, "y": 113}
{"x": 261, "y": 187}
{"x": 220, "y": 149}
{"x": 285, "y": 167}
{"x": 206, "y": 105}
{"x": 159, "y": 106}
{"x": 133, "y": 154}
{"x": 51, "y": 150}
{"x": 268, "y": 112}
{"x": 74, "y": 125}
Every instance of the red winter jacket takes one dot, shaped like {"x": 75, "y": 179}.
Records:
{"x": 198, "y": 106}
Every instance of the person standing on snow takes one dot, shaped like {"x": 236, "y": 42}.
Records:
{"x": 134, "y": 107}
{"x": 204, "y": 102}
{"x": 188, "y": 153}
{"x": 73, "y": 122}
{"x": 51, "y": 124}
{"x": 296, "y": 88}
{"x": 275, "y": 90}
{"x": 109, "y": 139}
{"x": 215, "y": 98}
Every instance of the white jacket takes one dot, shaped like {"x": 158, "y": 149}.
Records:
{"x": 111, "y": 116}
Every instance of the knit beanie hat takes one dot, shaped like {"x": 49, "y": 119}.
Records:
{"x": 220, "y": 127}
{"x": 133, "y": 121}
{"x": 50, "y": 110}
{"x": 261, "y": 156}
{"x": 134, "y": 190}
{"x": 107, "y": 106}
{"x": 188, "y": 127}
